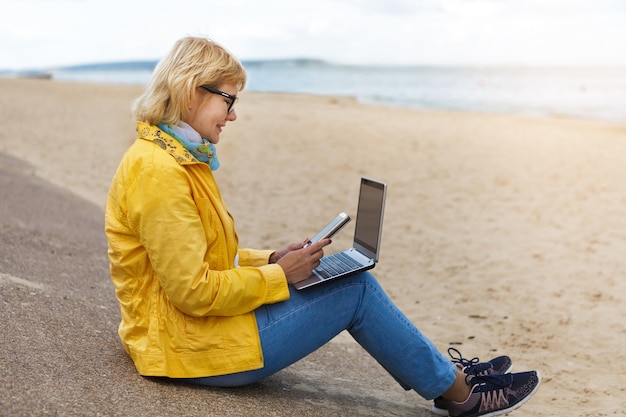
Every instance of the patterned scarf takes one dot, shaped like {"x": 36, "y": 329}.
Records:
{"x": 200, "y": 148}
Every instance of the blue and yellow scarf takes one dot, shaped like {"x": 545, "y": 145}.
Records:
{"x": 200, "y": 148}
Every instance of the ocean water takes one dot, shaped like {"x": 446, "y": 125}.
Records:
{"x": 588, "y": 93}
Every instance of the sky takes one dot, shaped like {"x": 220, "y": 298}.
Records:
{"x": 41, "y": 34}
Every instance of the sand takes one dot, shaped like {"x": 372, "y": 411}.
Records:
{"x": 502, "y": 234}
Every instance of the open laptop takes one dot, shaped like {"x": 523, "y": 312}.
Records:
{"x": 366, "y": 244}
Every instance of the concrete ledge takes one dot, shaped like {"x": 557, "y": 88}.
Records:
{"x": 59, "y": 350}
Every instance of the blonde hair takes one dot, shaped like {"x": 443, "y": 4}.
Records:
{"x": 192, "y": 62}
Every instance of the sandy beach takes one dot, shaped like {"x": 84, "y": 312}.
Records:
{"x": 502, "y": 234}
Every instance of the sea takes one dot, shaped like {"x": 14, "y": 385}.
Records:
{"x": 597, "y": 93}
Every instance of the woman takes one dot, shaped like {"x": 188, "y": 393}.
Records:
{"x": 198, "y": 308}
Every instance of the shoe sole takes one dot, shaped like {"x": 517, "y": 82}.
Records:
{"x": 439, "y": 411}
{"x": 444, "y": 413}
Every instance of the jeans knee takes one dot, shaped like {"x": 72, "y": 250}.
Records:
{"x": 369, "y": 280}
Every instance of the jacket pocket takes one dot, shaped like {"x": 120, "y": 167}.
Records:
{"x": 204, "y": 333}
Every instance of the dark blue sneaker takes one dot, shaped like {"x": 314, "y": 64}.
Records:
{"x": 494, "y": 395}
{"x": 496, "y": 366}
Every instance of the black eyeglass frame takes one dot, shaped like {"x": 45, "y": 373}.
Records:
{"x": 232, "y": 98}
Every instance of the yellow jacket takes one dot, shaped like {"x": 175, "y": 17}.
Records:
{"x": 187, "y": 308}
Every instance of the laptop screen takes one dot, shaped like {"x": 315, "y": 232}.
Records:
{"x": 369, "y": 219}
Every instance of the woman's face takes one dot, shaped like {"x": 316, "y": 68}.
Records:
{"x": 208, "y": 112}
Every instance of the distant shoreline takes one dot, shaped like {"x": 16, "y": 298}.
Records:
{"x": 592, "y": 93}
{"x": 151, "y": 63}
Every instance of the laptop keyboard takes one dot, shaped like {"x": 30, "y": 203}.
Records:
{"x": 335, "y": 264}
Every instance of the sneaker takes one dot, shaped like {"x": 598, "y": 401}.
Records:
{"x": 499, "y": 365}
{"x": 494, "y": 395}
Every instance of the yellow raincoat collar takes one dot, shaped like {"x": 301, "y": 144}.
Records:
{"x": 170, "y": 145}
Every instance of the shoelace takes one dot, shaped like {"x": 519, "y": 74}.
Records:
{"x": 498, "y": 381}
{"x": 460, "y": 359}
{"x": 470, "y": 366}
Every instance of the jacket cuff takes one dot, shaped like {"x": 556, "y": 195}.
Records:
{"x": 277, "y": 287}
{"x": 254, "y": 257}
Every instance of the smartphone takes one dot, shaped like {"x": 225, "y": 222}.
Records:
{"x": 331, "y": 228}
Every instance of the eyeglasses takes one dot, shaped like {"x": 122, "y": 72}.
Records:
{"x": 230, "y": 97}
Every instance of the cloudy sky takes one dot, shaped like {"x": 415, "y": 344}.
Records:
{"x": 48, "y": 33}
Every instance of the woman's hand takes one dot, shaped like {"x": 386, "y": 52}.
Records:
{"x": 274, "y": 257}
{"x": 298, "y": 261}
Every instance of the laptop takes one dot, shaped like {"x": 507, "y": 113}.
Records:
{"x": 365, "y": 249}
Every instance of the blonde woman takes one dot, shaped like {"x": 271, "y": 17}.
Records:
{"x": 197, "y": 308}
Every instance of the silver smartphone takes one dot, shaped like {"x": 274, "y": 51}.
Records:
{"x": 331, "y": 228}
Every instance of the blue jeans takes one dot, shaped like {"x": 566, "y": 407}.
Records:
{"x": 312, "y": 317}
